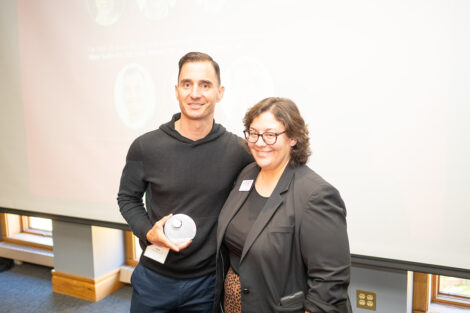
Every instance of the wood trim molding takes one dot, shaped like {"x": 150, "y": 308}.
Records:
{"x": 420, "y": 292}
{"x": 28, "y": 243}
{"x": 86, "y": 288}
{"x": 24, "y": 222}
{"x": 434, "y": 287}
{"x": 454, "y": 301}
{"x": 441, "y": 298}
{"x": 3, "y": 224}
{"x": 11, "y": 224}
{"x": 131, "y": 257}
{"x": 12, "y": 231}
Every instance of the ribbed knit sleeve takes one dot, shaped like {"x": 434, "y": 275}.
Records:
{"x": 131, "y": 190}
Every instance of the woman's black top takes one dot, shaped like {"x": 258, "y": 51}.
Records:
{"x": 240, "y": 226}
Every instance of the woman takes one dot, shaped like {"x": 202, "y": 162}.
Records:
{"x": 282, "y": 244}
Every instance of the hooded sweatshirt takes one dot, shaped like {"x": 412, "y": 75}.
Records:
{"x": 179, "y": 175}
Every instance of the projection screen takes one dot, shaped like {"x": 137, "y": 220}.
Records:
{"x": 383, "y": 86}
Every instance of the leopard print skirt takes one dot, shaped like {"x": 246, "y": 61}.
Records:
{"x": 232, "y": 294}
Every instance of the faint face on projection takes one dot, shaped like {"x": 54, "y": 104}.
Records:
{"x": 106, "y": 12}
{"x": 155, "y": 9}
{"x": 198, "y": 91}
{"x": 134, "y": 96}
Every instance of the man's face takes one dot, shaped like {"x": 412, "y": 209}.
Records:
{"x": 198, "y": 91}
{"x": 105, "y": 7}
{"x": 134, "y": 94}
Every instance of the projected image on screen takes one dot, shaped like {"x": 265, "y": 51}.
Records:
{"x": 247, "y": 82}
{"x": 106, "y": 12}
{"x": 386, "y": 104}
{"x": 155, "y": 9}
{"x": 134, "y": 96}
{"x": 84, "y": 101}
{"x": 212, "y": 6}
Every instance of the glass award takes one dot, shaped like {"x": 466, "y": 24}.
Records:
{"x": 180, "y": 228}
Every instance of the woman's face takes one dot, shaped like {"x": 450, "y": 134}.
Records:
{"x": 270, "y": 157}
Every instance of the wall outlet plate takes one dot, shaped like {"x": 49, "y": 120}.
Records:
{"x": 366, "y": 300}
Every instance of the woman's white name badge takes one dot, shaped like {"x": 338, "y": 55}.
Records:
{"x": 246, "y": 185}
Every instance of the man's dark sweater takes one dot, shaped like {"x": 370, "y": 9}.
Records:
{"x": 179, "y": 175}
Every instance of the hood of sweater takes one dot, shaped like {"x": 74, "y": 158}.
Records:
{"x": 169, "y": 129}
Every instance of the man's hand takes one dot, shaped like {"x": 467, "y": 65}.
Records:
{"x": 157, "y": 236}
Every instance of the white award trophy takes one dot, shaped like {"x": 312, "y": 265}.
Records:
{"x": 179, "y": 229}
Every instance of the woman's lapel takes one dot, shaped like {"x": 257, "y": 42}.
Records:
{"x": 236, "y": 200}
{"x": 269, "y": 209}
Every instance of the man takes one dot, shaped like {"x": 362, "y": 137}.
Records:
{"x": 187, "y": 166}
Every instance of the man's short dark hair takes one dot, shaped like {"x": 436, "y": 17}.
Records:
{"x": 198, "y": 57}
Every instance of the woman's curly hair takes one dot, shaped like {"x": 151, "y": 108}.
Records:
{"x": 286, "y": 112}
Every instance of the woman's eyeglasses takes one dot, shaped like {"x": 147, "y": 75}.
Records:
{"x": 269, "y": 138}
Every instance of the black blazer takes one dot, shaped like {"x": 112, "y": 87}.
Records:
{"x": 296, "y": 256}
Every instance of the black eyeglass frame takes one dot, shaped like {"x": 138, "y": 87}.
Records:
{"x": 247, "y": 134}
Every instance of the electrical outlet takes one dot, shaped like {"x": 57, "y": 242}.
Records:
{"x": 366, "y": 300}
